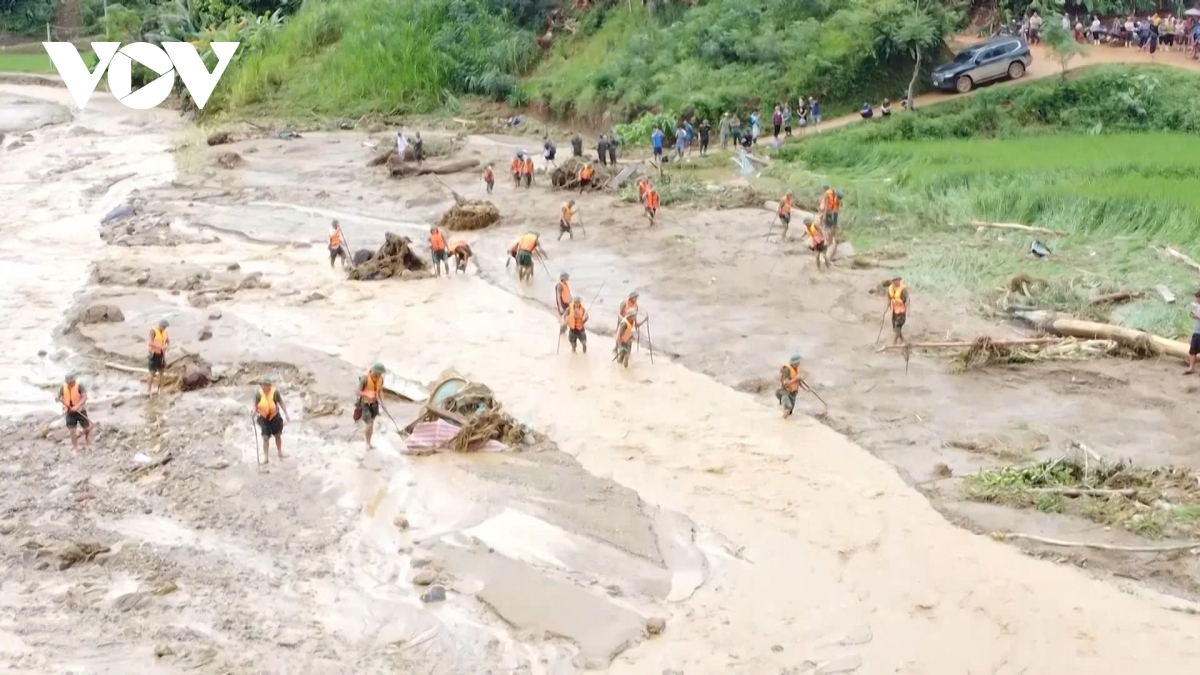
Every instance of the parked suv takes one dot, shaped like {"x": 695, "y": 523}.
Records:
{"x": 1002, "y": 56}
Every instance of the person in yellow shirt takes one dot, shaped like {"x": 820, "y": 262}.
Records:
{"x": 73, "y": 397}
{"x": 269, "y": 414}
{"x": 370, "y": 399}
{"x": 157, "y": 344}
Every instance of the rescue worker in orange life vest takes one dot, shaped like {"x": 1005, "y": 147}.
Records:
{"x": 564, "y": 220}
{"x": 370, "y": 399}
{"x": 626, "y": 330}
{"x": 818, "y": 241}
{"x": 269, "y": 414}
{"x": 337, "y": 246}
{"x": 74, "y": 401}
{"x": 828, "y": 210}
{"x": 585, "y": 176}
{"x": 438, "y": 251}
{"x": 562, "y": 293}
{"x": 785, "y": 212}
{"x": 576, "y": 319}
{"x": 157, "y": 344}
{"x": 489, "y": 178}
{"x": 897, "y": 293}
{"x": 789, "y": 385}
{"x": 628, "y": 305}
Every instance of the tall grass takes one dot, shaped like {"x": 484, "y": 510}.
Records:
{"x": 355, "y": 57}
{"x": 720, "y": 56}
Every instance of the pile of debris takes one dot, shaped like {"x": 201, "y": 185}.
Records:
{"x": 470, "y": 215}
{"x": 464, "y": 416}
{"x": 566, "y": 176}
{"x": 395, "y": 259}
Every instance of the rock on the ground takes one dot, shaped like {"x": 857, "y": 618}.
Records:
{"x": 435, "y": 593}
{"x": 233, "y": 267}
{"x": 400, "y": 522}
{"x": 656, "y": 625}
{"x": 196, "y": 377}
{"x": 230, "y": 160}
{"x": 102, "y": 314}
{"x": 424, "y": 577}
{"x": 361, "y": 256}
{"x": 163, "y": 650}
{"x": 253, "y": 280}
{"x": 220, "y": 138}
{"x": 205, "y": 333}
{"x": 420, "y": 561}
{"x": 214, "y": 315}
{"x": 8, "y": 527}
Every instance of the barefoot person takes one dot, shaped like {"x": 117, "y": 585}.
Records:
{"x": 827, "y": 214}
{"x": 789, "y": 385}
{"x": 1194, "y": 347}
{"x": 651, "y": 204}
{"x": 785, "y": 212}
{"x": 74, "y": 401}
{"x": 337, "y": 246}
{"x": 564, "y": 221}
{"x": 897, "y": 293}
{"x": 527, "y": 247}
{"x": 370, "y": 398}
{"x": 269, "y": 413}
{"x": 489, "y": 178}
{"x": 157, "y": 344}
{"x": 461, "y": 251}
{"x": 438, "y": 251}
{"x": 818, "y": 241}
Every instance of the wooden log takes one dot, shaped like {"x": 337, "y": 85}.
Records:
{"x": 458, "y": 199}
{"x": 1181, "y": 258}
{"x": 1014, "y": 226}
{"x": 125, "y": 369}
{"x": 400, "y": 169}
{"x": 1109, "y": 298}
{"x": 1091, "y": 330}
{"x": 1084, "y": 492}
{"x": 1003, "y": 536}
{"x": 1016, "y": 342}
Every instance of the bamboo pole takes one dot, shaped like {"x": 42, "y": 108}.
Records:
{"x": 1014, "y": 226}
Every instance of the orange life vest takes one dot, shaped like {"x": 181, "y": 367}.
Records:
{"x": 566, "y": 214}
{"x": 71, "y": 396}
{"x": 528, "y": 242}
{"x": 371, "y": 388}
{"x": 652, "y": 199}
{"x": 586, "y": 173}
{"x": 626, "y": 305}
{"x": 643, "y": 188}
{"x": 896, "y": 296}
{"x": 266, "y": 404}
{"x": 488, "y": 176}
{"x": 814, "y": 231}
{"x": 436, "y": 241}
{"x": 786, "y": 377}
{"x": 625, "y": 334}
{"x": 831, "y": 201}
{"x": 785, "y": 207}
{"x": 158, "y": 340}
{"x": 564, "y": 294}
{"x": 335, "y": 239}
{"x": 529, "y": 167}
{"x": 516, "y": 165}
{"x": 576, "y": 316}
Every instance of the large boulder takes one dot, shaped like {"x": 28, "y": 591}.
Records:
{"x": 102, "y": 314}
{"x": 196, "y": 377}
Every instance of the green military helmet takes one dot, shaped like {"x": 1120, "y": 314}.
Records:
{"x": 378, "y": 369}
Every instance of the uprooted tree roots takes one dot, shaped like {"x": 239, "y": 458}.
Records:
{"x": 394, "y": 259}
{"x": 566, "y": 176}
{"x": 471, "y": 215}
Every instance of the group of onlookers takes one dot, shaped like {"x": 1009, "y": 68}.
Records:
{"x": 1147, "y": 33}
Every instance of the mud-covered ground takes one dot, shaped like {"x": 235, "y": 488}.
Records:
{"x": 767, "y": 546}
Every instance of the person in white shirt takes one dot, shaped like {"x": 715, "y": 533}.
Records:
{"x": 401, "y": 144}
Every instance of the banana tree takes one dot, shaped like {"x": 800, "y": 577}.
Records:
{"x": 915, "y": 28}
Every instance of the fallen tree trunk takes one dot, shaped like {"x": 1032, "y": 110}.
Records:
{"x": 1181, "y": 258}
{"x": 1139, "y": 341}
{"x": 1016, "y": 342}
{"x": 1013, "y": 226}
{"x": 1003, "y": 536}
{"x": 1085, "y": 492}
{"x": 1119, "y": 296}
{"x": 400, "y": 169}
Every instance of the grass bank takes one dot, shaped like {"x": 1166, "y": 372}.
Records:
{"x": 27, "y": 63}
{"x": 350, "y": 58}
{"x": 915, "y": 183}
{"x": 719, "y": 56}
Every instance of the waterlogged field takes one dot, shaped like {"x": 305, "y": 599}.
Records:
{"x": 1113, "y": 198}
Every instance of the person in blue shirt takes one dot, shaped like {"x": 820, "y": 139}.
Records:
{"x": 656, "y": 139}
{"x": 866, "y": 111}
{"x": 815, "y": 107}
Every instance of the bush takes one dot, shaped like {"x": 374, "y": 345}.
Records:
{"x": 26, "y": 16}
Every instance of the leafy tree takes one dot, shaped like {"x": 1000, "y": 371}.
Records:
{"x": 915, "y": 28}
{"x": 1062, "y": 43}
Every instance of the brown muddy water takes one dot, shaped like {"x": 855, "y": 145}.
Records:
{"x": 766, "y": 546}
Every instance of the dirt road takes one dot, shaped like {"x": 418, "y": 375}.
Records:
{"x": 767, "y": 546}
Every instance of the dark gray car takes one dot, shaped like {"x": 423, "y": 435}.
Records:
{"x": 1001, "y": 57}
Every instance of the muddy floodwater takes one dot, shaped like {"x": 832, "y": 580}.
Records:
{"x": 666, "y": 522}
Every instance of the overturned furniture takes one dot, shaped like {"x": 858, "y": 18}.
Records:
{"x": 395, "y": 259}
{"x": 463, "y": 416}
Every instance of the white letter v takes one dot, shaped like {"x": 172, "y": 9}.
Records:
{"x": 74, "y": 71}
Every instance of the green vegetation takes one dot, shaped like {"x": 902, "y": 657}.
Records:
{"x": 725, "y": 56}
{"x": 1149, "y": 502}
{"x": 354, "y": 57}
{"x": 27, "y": 63}
{"x": 1033, "y": 155}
